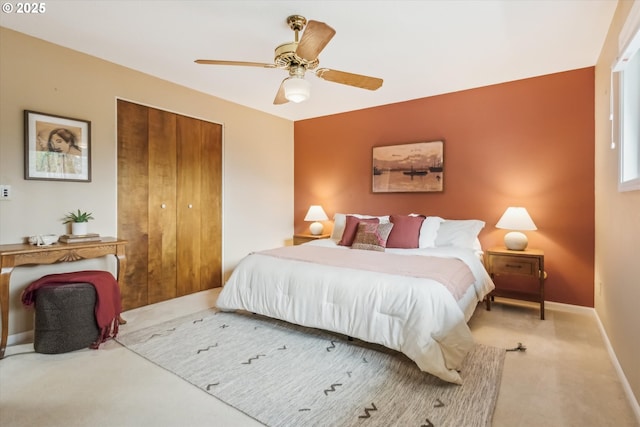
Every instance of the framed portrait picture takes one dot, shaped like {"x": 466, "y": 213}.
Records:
{"x": 56, "y": 148}
{"x": 407, "y": 168}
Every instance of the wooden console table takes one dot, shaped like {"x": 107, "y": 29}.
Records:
{"x": 17, "y": 254}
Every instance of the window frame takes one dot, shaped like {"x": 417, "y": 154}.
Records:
{"x": 628, "y": 52}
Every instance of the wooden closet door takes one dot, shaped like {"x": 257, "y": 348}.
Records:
{"x": 133, "y": 170}
{"x": 162, "y": 270}
{"x": 199, "y": 210}
{"x": 211, "y": 201}
{"x": 169, "y": 203}
{"x": 189, "y": 135}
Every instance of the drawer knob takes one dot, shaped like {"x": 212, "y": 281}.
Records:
{"x": 513, "y": 265}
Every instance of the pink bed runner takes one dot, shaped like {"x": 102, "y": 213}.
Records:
{"x": 453, "y": 273}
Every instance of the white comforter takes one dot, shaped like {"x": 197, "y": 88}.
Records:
{"x": 416, "y": 316}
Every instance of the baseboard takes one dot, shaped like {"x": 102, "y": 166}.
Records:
{"x": 568, "y": 308}
{"x": 550, "y": 305}
{"x": 635, "y": 406}
{"x": 20, "y": 338}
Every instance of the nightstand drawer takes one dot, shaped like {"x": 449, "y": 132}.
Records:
{"x": 515, "y": 265}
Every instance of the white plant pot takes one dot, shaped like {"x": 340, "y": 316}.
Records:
{"x": 79, "y": 228}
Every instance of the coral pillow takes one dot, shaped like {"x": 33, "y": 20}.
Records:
{"x": 340, "y": 219}
{"x": 372, "y": 236}
{"x": 405, "y": 233}
{"x": 351, "y": 228}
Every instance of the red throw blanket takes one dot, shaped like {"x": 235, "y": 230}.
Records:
{"x": 108, "y": 304}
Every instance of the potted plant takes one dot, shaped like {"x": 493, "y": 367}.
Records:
{"x": 79, "y": 221}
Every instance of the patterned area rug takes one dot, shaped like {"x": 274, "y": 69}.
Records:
{"x": 285, "y": 375}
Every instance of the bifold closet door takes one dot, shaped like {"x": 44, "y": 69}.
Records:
{"x": 190, "y": 165}
{"x": 169, "y": 203}
{"x": 211, "y": 212}
{"x": 162, "y": 267}
{"x": 133, "y": 205}
{"x": 199, "y": 205}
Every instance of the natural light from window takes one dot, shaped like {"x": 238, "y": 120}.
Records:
{"x": 627, "y": 122}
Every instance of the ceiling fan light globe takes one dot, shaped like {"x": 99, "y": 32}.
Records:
{"x": 297, "y": 89}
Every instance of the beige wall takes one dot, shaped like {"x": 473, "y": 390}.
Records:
{"x": 617, "y": 270}
{"x": 39, "y": 76}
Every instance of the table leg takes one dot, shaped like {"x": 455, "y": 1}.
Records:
{"x": 122, "y": 268}
{"x": 5, "y": 275}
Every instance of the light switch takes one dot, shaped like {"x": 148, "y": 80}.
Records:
{"x": 5, "y": 192}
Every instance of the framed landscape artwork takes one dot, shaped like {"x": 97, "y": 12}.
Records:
{"x": 408, "y": 168}
{"x": 56, "y": 148}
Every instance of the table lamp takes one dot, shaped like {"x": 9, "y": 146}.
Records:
{"x": 518, "y": 220}
{"x": 316, "y": 214}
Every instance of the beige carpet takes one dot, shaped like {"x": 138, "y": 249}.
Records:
{"x": 282, "y": 375}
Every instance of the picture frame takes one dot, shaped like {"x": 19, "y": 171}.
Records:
{"x": 408, "y": 168}
{"x": 56, "y": 148}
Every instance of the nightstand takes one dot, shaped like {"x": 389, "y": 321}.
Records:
{"x": 529, "y": 262}
{"x": 299, "y": 239}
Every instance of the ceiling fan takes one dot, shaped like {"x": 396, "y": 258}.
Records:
{"x": 301, "y": 55}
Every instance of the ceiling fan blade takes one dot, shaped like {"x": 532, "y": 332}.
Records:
{"x": 240, "y": 63}
{"x": 315, "y": 37}
{"x": 280, "y": 98}
{"x": 357, "y": 80}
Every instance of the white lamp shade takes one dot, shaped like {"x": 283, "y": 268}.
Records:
{"x": 516, "y": 218}
{"x": 316, "y": 214}
{"x": 296, "y": 89}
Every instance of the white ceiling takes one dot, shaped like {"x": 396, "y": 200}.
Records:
{"x": 420, "y": 48}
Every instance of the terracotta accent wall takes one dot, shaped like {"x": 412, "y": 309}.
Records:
{"x": 524, "y": 143}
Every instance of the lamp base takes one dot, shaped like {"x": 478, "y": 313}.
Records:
{"x": 316, "y": 228}
{"x": 516, "y": 241}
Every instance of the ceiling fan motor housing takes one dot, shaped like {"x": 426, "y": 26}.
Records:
{"x": 285, "y": 56}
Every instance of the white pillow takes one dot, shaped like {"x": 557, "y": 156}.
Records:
{"x": 429, "y": 231}
{"x": 340, "y": 221}
{"x": 462, "y": 233}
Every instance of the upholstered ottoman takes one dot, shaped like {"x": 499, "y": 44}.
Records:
{"x": 65, "y": 318}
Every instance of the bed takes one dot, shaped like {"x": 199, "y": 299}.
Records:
{"x": 416, "y": 300}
